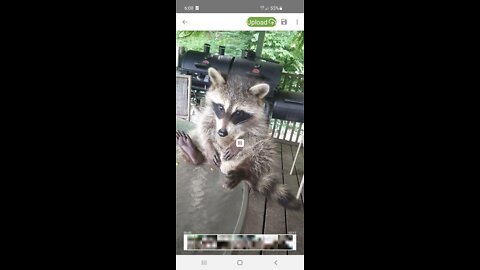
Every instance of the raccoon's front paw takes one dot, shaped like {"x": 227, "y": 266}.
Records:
{"x": 231, "y": 152}
{"x": 233, "y": 179}
{"x": 216, "y": 160}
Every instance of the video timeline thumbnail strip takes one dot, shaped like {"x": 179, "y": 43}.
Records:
{"x": 253, "y": 242}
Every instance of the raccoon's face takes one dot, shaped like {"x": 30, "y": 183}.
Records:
{"x": 236, "y": 104}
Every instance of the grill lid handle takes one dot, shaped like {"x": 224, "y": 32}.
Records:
{"x": 202, "y": 65}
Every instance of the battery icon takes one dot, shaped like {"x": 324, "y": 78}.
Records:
{"x": 196, "y": 8}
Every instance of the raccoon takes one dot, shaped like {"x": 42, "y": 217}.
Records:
{"x": 235, "y": 110}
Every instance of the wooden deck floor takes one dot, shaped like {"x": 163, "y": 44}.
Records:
{"x": 268, "y": 217}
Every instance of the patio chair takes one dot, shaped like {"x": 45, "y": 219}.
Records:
{"x": 293, "y": 166}
{"x": 183, "y": 89}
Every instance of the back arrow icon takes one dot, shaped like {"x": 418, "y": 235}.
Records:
{"x": 184, "y": 21}
{"x": 275, "y": 262}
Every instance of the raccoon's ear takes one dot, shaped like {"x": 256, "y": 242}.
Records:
{"x": 216, "y": 77}
{"x": 259, "y": 90}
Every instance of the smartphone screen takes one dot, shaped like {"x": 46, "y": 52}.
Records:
{"x": 239, "y": 137}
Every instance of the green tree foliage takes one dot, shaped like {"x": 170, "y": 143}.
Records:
{"x": 286, "y": 47}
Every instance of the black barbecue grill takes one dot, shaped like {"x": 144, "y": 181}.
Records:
{"x": 196, "y": 64}
{"x": 262, "y": 70}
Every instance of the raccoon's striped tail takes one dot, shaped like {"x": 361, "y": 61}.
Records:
{"x": 272, "y": 188}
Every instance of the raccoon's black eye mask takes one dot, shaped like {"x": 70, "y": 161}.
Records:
{"x": 237, "y": 117}
{"x": 219, "y": 110}
{"x": 240, "y": 117}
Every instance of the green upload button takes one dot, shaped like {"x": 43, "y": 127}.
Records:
{"x": 261, "y": 22}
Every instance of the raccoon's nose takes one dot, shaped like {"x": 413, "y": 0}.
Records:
{"x": 222, "y": 132}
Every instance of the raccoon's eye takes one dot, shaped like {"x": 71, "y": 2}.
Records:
{"x": 240, "y": 117}
{"x": 219, "y": 110}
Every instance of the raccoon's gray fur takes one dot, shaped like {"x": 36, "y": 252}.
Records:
{"x": 235, "y": 110}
